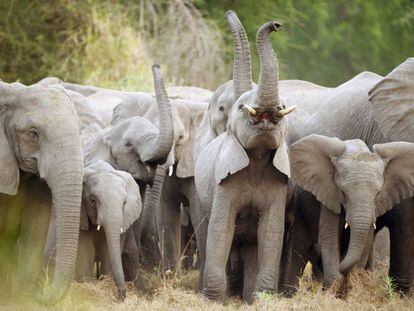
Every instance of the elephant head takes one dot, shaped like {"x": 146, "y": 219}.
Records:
{"x": 110, "y": 200}
{"x": 257, "y": 121}
{"x": 135, "y": 145}
{"x": 347, "y": 174}
{"x": 39, "y": 134}
{"x": 393, "y": 102}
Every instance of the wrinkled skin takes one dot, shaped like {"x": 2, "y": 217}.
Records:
{"x": 349, "y": 113}
{"x": 355, "y": 186}
{"x": 39, "y": 135}
{"x": 241, "y": 179}
{"x": 111, "y": 200}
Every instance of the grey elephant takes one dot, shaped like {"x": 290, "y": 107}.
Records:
{"x": 40, "y": 163}
{"x": 351, "y": 187}
{"x": 110, "y": 205}
{"x": 348, "y": 114}
{"x": 173, "y": 184}
{"x": 241, "y": 178}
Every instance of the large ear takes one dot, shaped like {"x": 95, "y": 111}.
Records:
{"x": 84, "y": 219}
{"x": 398, "y": 174}
{"x": 185, "y": 165}
{"x": 133, "y": 205}
{"x": 393, "y": 102}
{"x": 281, "y": 159}
{"x": 231, "y": 159}
{"x": 312, "y": 168}
{"x": 9, "y": 169}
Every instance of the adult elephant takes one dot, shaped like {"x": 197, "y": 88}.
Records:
{"x": 39, "y": 135}
{"x": 348, "y": 114}
{"x": 241, "y": 179}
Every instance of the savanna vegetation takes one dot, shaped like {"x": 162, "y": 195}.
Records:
{"x": 113, "y": 43}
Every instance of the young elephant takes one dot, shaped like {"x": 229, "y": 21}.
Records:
{"x": 354, "y": 186}
{"x": 111, "y": 203}
{"x": 241, "y": 179}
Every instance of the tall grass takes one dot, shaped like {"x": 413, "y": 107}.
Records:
{"x": 109, "y": 43}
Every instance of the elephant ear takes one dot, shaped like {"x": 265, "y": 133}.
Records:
{"x": 133, "y": 205}
{"x": 312, "y": 168}
{"x": 185, "y": 165}
{"x": 281, "y": 159}
{"x": 398, "y": 174}
{"x": 393, "y": 102}
{"x": 231, "y": 158}
{"x": 9, "y": 169}
{"x": 84, "y": 219}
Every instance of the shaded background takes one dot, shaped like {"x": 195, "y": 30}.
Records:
{"x": 112, "y": 43}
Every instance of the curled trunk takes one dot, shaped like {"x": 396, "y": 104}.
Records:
{"x": 268, "y": 96}
{"x": 157, "y": 150}
{"x": 149, "y": 241}
{"x": 113, "y": 240}
{"x": 242, "y": 71}
{"x": 361, "y": 228}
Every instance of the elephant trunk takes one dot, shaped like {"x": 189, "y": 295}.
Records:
{"x": 268, "y": 96}
{"x": 113, "y": 240}
{"x": 361, "y": 226}
{"x": 64, "y": 178}
{"x": 158, "y": 150}
{"x": 149, "y": 245}
{"x": 242, "y": 71}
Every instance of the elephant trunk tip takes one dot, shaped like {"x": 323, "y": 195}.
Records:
{"x": 155, "y": 66}
{"x": 229, "y": 12}
{"x": 276, "y": 25}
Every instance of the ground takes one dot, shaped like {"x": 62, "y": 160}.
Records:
{"x": 366, "y": 291}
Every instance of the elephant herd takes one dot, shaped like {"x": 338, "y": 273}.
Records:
{"x": 263, "y": 177}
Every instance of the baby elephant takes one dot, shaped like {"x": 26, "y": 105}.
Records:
{"x": 111, "y": 203}
{"x": 348, "y": 186}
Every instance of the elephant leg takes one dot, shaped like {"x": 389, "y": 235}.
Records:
{"x": 270, "y": 242}
{"x": 33, "y": 233}
{"x": 169, "y": 224}
{"x": 234, "y": 272}
{"x": 250, "y": 264}
{"x": 297, "y": 252}
{"x": 85, "y": 258}
{"x": 328, "y": 240}
{"x": 130, "y": 261}
{"x": 187, "y": 246}
{"x": 401, "y": 227}
{"x": 219, "y": 239}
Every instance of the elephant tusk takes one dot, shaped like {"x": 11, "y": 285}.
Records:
{"x": 120, "y": 229}
{"x": 170, "y": 170}
{"x": 346, "y": 225}
{"x": 283, "y": 112}
{"x": 99, "y": 227}
{"x": 375, "y": 226}
{"x": 250, "y": 110}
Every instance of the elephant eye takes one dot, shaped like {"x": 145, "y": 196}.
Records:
{"x": 34, "y": 135}
{"x": 180, "y": 137}
{"x": 128, "y": 145}
{"x": 93, "y": 202}
{"x": 221, "y": 108}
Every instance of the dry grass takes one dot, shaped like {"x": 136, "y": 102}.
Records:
{"x": 366, "y": 291}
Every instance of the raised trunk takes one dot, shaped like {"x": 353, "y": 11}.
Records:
{"x": 158, "y": 150}
{"x": 65, "y": 181}
{"x": 360, "y": 229}
{"x": 149, "y": 241}
{"x": 242, "y": 71}
{"x": 113, "y": 240}
{"x": 268, "y": 96}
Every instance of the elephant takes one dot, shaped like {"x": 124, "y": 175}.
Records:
{"x": 350, "y": 186}
{"x": 111, "y": 200}
{"x": 349, "y": 113}
{"x": 41, "y": 164}
{"x": 241, "y": 179}
{"x": 221, "y": 102}
{"x": 172, "y": 189}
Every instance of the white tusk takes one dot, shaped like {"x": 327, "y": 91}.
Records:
{"x": 122, "y": 231}
{"x": 250, "y": 110}
{"x": 99, "y": 227}
{"x": 282, "y": 113}
{"x": 346, "y": 225}
{"x": 375, "y": 226}
{"x": 170, "y": 170}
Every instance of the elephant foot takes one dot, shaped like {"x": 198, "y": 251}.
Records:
{"x": 339, "y": 287}
{"x": 216, "y": 295}
{"x": 121, "y": 294}
{"x": 139, "y": 284}
{"x": 288, "y": 291}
